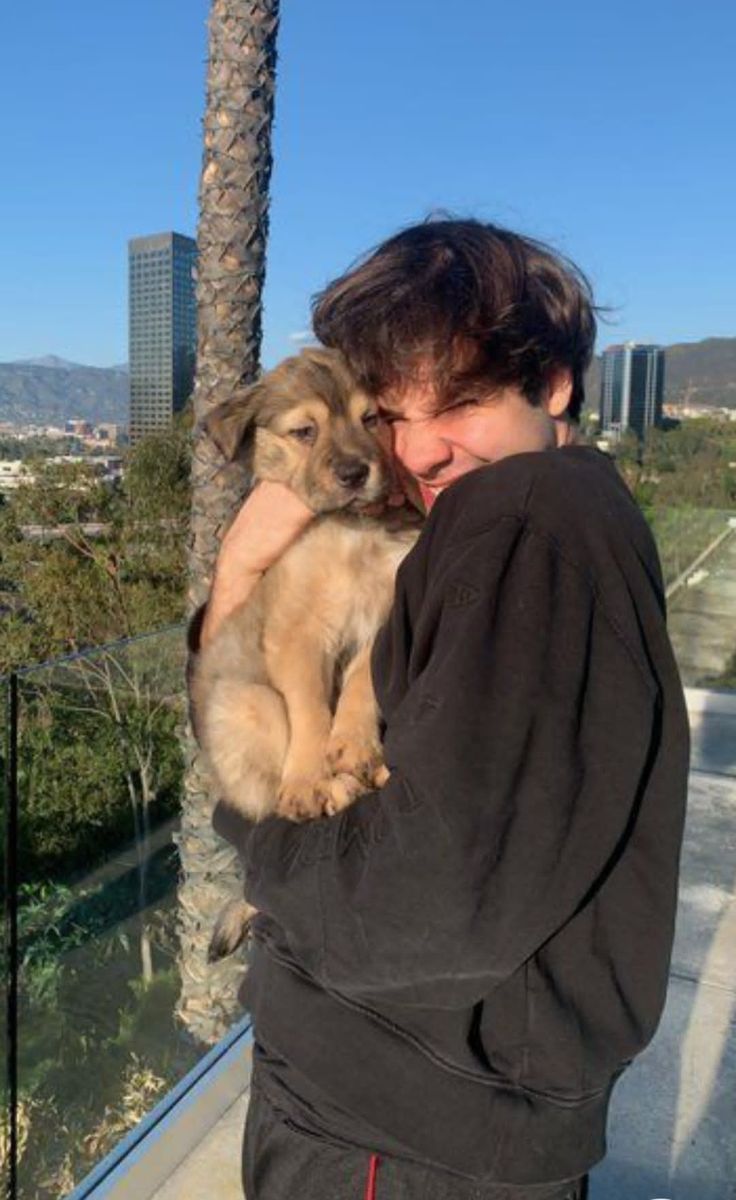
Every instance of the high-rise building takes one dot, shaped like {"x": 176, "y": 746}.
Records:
{"x": 162, "y": 324}
{"x": 632, "y": 387}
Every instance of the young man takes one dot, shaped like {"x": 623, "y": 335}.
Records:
{"x": 449, "y": 977}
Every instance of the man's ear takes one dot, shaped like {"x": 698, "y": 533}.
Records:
{"x": 559, "y": 391}
{"x": 231, "y": 425}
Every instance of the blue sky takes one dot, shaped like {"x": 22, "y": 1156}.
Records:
{"x": 605, "y": 129}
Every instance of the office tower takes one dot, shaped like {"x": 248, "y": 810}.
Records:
{"x": 632, "y": 387}
{"x": 162, "y": 326}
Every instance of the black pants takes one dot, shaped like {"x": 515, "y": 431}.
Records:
{"x": 283, "y": 1162}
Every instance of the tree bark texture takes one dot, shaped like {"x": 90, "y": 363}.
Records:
{"x": 231, "y": 244}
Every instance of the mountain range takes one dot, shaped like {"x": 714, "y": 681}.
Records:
{"x": 51, "y": 390}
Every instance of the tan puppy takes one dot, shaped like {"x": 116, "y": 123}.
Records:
{"x": 282, "y": 693}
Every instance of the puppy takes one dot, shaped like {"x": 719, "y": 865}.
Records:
{"x": 285, "y": 707}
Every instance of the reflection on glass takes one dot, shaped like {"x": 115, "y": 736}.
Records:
{"x": 100, "y": 771}
{"x": 5, "y": 1137}
{"x": 698, "y": 551}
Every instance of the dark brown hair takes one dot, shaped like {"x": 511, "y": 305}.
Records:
{"x": 480, "y": 304}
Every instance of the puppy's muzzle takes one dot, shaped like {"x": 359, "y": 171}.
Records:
{"x": 351, "y": 472}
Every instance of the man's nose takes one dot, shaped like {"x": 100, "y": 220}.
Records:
{"x": 420, "y": 449}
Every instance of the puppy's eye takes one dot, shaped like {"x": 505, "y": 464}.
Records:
{"x": 305, "y": 433}
{"x": 370, "y": 420}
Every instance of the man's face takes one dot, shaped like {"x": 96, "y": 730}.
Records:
{"x": 438, "y": 447}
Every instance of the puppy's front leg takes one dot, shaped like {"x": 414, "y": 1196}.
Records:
{"x": 354, "y": 751}
{"x": 297, "y": 668}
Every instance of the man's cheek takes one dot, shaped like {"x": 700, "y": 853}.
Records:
{"x": 409, "y": 486}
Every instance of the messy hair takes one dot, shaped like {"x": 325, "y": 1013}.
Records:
{"x": 475, "y": 304}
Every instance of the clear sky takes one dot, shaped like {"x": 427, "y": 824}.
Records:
{"x": 604, "y": 128}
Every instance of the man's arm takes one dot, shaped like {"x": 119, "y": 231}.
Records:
{"x": 512, "y": 786}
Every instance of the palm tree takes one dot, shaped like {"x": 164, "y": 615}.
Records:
{"x": 232, "y": 233}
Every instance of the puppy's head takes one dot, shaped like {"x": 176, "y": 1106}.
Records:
{"x": 307, "y": 424}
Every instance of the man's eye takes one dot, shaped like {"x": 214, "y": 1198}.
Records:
{"x": 370, "y": 420}
{"x": 305, "y": 433}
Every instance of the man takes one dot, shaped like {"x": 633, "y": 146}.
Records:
{"x": 449, "y": 976}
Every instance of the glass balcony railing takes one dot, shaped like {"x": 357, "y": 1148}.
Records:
{"x": 94, "y": 787}
{"x": 95, "y": 1034}
{"x": 8, "y": 956}
{"x": 697, "y": 548}
{"x": 698, "y": 552}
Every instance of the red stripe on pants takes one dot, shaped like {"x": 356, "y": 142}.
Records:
{"x": 370, "y": 1187}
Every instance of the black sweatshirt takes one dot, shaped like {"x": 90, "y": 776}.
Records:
{"x": 458, "y": 967}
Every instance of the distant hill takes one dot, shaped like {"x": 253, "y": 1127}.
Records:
{"x": 695, "y": 373}
{"x": 702, "y": 372}
{"x": 50, "y": 390}
{"x": 48, "y": 360}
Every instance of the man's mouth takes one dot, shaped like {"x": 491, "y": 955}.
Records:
{"x": 430, "y": 492}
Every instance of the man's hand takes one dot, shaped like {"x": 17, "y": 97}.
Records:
{"x": 271, "y": 518}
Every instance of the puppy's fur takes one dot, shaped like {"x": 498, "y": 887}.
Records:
{"x": 285, "y": 707}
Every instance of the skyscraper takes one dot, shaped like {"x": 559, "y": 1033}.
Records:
{"x": 632, "y": 387}
{"x": 162, "y": 324}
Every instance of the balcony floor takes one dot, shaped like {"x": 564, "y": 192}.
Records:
{"x": 673, "y": 1113}
{"x": 213, "y": 1167}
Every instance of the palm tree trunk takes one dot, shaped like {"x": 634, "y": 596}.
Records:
{"x": 232, "y": 234}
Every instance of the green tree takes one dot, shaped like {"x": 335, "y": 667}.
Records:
{"x": 98, "y": 735}
{"x": 691, "y": 465}
{"x": 36, "y": 446}
{"x": 66, "y": 587}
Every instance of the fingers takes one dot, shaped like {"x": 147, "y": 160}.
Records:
{"x": 267, "y": 493}
{"x": 271, "y": 518}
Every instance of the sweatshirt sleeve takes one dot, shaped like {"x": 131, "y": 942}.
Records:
{"x": 516, "y": 758}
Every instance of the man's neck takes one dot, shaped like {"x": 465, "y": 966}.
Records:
{"x": 567, "y": 432}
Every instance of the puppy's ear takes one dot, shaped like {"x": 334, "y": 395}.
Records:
{"x": 231, "y": 425}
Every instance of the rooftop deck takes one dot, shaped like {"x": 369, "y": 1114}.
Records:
{"x": 88, "y": 1026}
{"x": 671, "y": 1132}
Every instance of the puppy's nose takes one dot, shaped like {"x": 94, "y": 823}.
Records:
{"x": 351, "y": 472}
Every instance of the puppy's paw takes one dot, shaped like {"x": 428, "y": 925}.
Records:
{"x": 300, "y": 799}
{"x": 231, "y": 927}
{"x": 339, "y": 791}
{"x": 351, "y": 754}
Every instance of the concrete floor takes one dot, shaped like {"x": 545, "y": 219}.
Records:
{"x": 672, "y": 1132}
{"x": 212, "y": 1170}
